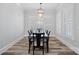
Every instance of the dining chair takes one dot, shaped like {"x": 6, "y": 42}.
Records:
{"x": 47, "y": 40}
{"x": 39, "y": 37}
{"x": 30, "y": 37}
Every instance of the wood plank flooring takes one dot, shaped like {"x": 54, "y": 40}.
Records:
{"x": 55, "y": 48}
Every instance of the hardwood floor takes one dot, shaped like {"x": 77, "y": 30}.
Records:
{"x": 55, "y": 48}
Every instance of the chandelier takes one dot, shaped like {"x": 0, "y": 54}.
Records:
{"x": 40, "y": 11}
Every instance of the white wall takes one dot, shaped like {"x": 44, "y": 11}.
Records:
{"x": 69, "y": 25}
{"x": 32, "y": 21}
{"x": 59, "y": 20}
{"x": 11, "y": 23}
{"x": 76, "y": 24}
{"x": 64, "y": 20}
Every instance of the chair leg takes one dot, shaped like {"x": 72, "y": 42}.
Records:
{"x": 33, "y": 46}
{"x": 47, "y": 47}
{"x": 29, "y": 47}
{"x": 33, "y": 50}
{"x": 43, "y": 47}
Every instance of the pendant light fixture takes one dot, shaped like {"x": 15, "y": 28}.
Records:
{"x": 40, "y": 11}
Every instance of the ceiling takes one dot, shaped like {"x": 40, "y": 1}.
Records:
{"x": 32, "y": 7}
{"x": 37, "y": 5}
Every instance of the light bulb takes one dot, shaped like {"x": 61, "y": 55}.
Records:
{"x": 40, "y": 15}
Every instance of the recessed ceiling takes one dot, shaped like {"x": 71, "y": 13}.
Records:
{"x": 37, "y": 5}
{"x": 31, "y": 8}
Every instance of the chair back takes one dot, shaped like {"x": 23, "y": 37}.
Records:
{"x": 48, "y": 32}
{"x": 30, "y": 32}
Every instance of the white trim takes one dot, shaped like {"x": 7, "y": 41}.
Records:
{"x": 75, "y": 49}
{"x": 10, "y": 45}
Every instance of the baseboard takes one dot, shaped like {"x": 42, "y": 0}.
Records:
{"x": 75, "y": 49}
{"x": 10, "y": 45}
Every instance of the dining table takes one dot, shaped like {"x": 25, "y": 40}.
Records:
{"x": 40, "y": 39}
